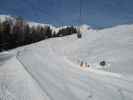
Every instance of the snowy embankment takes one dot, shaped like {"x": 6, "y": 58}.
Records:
{"x": 49, "y": 70}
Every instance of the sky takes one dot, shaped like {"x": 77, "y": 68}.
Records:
{"x": 96, "y": 13}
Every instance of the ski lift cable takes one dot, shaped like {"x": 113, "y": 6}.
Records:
{"x": 80, "y": 13}
{"x": 79, "y": 35}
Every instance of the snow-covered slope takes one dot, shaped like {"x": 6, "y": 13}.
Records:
{"x": 16, "y": 83}
{"x": 85, "y": 28}
{"x": 50, "y": 69}
{"x": 113, "y": 45}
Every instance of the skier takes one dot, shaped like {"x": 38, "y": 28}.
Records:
{"x": 86, "y": 64}
{"x": 102, "y": 63}
{"x": 81, "y": 64}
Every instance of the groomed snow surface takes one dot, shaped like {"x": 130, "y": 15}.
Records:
{"x": 50, "y": 69}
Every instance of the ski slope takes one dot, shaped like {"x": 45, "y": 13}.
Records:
{"x": 50, "y": 69}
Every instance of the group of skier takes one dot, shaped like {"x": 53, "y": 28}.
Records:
{"x": 84, "y": 64}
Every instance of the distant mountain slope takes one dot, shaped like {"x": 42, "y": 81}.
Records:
{"x": 83, "y": 28}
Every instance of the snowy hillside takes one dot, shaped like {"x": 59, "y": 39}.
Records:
{"x": 50, "y": 69}
{"x": 31, "y": 23}
{"x": 83, "y": 28}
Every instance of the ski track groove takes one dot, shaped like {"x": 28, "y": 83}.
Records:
{"x": 36, "y": 80}
{"x": 66, "y": 61}
{"x": 119, "y": 89}
{"x": 47, "y": 80}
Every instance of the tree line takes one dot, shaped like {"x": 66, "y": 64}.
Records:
{"x": 18, "y": 32}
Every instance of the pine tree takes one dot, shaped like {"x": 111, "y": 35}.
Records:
{"x": 1, "y": 35}
{"x": 48, "y": 32}
{"x": 18, "y": 31}
{"x": 67, "y": 31}
{"x": 26, "y": 34}
{"x": 5, "y": 32}
{"x": 79, "y": 35}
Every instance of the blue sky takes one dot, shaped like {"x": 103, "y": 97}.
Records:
{"x": 97, "y": 13}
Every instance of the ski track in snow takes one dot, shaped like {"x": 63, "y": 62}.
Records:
{"x": 45, "y": 71}
{"x": 66, "y": 73}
